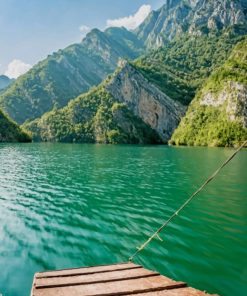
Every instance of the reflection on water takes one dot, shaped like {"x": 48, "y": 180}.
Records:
{"x": 78, "y": 205}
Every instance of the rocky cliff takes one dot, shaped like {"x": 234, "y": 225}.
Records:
{"x": 150, "y": 94}
{"x": 196, "y": 17}
{"x": 125, "y": 108}
{"x": 232, "y": 98}
{"x": 146, "y": 101}
{"x": 75, "y": 69}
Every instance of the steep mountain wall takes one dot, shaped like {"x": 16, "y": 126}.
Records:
{"x": 146, "y": 101}
{"x": 196, "y": 17}
{"x": 198, "y": 36}
{"x": 125, "y": 108}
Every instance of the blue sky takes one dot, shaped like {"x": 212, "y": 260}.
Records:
{"x": 31, "y": 29}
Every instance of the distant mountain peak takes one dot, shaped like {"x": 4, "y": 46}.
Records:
{"x": 5, "y": 81}
{"x": 75, "y": 69}
{"x": 4, "y": 76}
{"x": 69, "y": 72}
{"x": 195, "y": 17}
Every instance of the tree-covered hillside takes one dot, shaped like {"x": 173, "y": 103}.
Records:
{"x": 74, "y": 70}
{"x": 218, "y": 114}
{"x": 95, "y": 117}
{"x": 181, "y": 66}
{"x": 178, "y": 70}
{"x": 67, "y": 73}
{"x": 192, "y": 38}
{"x": 10, "y": 131}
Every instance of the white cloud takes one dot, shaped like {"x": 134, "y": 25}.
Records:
{"x": 133, "y": 21}
{"x": 84, "y": 30}
{"x": 16, "y": 68}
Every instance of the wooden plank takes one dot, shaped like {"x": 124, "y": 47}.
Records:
{"x": 33, "y": 286}
{"x": 94, "y": 278}
{"x": 86, "y": 270}
{"x": 125, "y": 287}
{"x": 176, "y": 292}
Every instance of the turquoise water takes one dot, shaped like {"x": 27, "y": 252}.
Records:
{"x": 65, "y": 205}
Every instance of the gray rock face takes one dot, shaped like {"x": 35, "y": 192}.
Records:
{"x": 193, "y": 16}
{"x": 146, "y": 101}
{"x": 232, "y": 99}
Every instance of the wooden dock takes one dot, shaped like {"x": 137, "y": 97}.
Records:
{"x": 108, "y": 280}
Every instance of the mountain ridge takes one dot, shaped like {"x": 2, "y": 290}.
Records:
{"x": 75, "y": 69}
{"x": 197, "y": 17}
{"x": 107, "y": 114}
{"x": 132, "y": 87}
{"x": 66, "y": 74}
{"x": 5, "y": 81}
{"x": 174, "y": 50}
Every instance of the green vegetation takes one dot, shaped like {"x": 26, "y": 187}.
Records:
{"x": 209, "y": 127}
{"x": 179, "y": 70}
{"x": 68, "y": 73}
{"x": 94, "y": 117}
{"x": 221, "y": 121}
{"x": 195, "y": 40}
{"x": 181, "y": 66}
{"x": 10, "y": 131}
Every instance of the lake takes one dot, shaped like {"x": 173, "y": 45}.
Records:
{"x": 64, "y": 205}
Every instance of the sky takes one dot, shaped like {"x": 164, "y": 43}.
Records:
{"x": 32, "y": 29}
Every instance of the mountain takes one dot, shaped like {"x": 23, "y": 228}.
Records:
{"x": 155, "y": 89}
{"x": 68, "y": 73}
{"x": 126, "y": 108}
{"x": 145, "y": 100}
{"x": 195, "y": 17}
{"x": 196, "y": 37}
{"x": 5, "y": 81}
{"x": 218, "y": 114}
{"x": 180, "y": 67}
{"x": 10, "y": 131}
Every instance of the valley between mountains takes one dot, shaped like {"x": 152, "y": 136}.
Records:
{"x": 179, "y": 78}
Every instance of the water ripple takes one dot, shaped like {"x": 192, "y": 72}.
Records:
{"x": 74, "y": 205}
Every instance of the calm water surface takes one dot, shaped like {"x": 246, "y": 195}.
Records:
{"x": 76, "y": 205}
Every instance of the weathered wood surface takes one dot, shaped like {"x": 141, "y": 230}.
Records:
{"x": 108, "y": 280}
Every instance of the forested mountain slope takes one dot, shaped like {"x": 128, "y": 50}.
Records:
{"x": 180, "y": 45}
{"x": 126, "y": 108}
{"x": 180, "y": 67}
{"x": 68, "y": 73}
{"x": 218, "y": 114}
{"x": 10, "y": 131}
{"x": 74, "y": 70}
{"x": 174, "y": 73}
